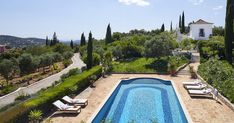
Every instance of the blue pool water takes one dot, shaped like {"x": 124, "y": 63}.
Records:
{"x": 142, "y": 100}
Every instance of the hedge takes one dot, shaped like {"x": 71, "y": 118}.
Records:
{"x": 45, "y": 99}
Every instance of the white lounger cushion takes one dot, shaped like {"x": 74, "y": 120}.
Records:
{"x": 70, "y": 100}
{"x": 200, "y": 92}
{"x": 199, "y": 86}
{"x": 63, "y": 106}
{"x": 191, "y": 83}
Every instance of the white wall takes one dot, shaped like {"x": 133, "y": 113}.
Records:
{"x": 195, "y": 29}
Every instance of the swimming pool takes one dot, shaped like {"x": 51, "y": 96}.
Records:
{"x": 142, "y": 100}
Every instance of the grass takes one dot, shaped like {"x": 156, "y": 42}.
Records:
{"x": 145, "y": 65}
{"x": 134, "y": 65}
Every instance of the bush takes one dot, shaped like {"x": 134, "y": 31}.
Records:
{"x": 45, "y": 99}
{"x": 66, "y": 63}
{"x": 219, "y": 74}
{"x": 96, "y": 59}
{"x": 22, "y": 97}
{"x": 7, "y": 89}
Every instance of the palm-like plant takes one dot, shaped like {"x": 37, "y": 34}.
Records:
{"x": 35, "y": 116}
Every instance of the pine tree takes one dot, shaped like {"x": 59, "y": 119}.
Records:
{"x": 229, "y": 30}
{"x": 108, "y": 35}
{"x": 47, "y": 41}
{"x": 180, "y": 22}
{"x": 90, "y": 52}
{"x": 71, "y": 44}
{"x": 162, "y": 28}
{"x": 171, "y": 27}
{"x": 82, "y": 40}
{"x": 183, "y": 24}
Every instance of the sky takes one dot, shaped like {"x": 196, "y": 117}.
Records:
{"x": 69, "y": 18}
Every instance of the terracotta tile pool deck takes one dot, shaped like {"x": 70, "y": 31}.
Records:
{"x": 201, "y": 110}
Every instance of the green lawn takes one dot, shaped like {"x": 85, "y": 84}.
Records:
{"x": 144, "y": 65}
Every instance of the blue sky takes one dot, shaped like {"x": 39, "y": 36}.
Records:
{"x": 69, "y": 18}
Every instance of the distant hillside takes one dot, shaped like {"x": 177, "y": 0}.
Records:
{"x": 16, "y": 42}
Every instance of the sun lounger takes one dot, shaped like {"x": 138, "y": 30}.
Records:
{"x": 64, "y": 108}
{"x": 204, "y": 92}
{"x": 195, "y": 87}
{"x": 80, "y": 102}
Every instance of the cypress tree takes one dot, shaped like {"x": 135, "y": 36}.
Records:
{"x": 51, "y": 42}
{"x": 162, "y": 28}
{"x": 71, "y": 44}
{"x": 82, "y": 40}
{"x": 108, "y": 35}
{"x": 90, "y": 52}
{"x": 171, "y": 27}
{"x": 47, "y": 41}
{"x": 180, "y": 22}
{"x": 183, "y": 24}
{"x": 229, "y": 30}
{"x": 55, "y": 39}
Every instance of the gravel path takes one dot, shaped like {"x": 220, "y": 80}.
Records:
{"x": 44, "y": 83}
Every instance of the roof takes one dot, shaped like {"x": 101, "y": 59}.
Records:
{"x": 200, "y": 21}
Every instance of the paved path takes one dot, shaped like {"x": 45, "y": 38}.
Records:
{"x": 44, "y": 83}
{"x": 195, "y": 63}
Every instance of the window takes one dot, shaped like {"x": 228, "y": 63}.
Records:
{"x": 201, "y": 33}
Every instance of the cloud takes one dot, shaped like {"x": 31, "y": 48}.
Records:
{"x": 218, "y": 7}
{"x": 135, "y": 2}
{"x": 196, "y": 2}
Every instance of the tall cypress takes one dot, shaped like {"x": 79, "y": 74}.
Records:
{"x": 162, "y": 28}
{"x": 90, "y": 52}
{"x": 180, "y": 22}
{"x": 229, "y": 31}
{"x": 171, "y": 27}
{"x": 82, "y": 40}
{"x": 47, "y": 41}
{"x": 183, "y": 24}
{"x": 108, "y": 35}
{"x": 55, "y": 39}
{"x": 71, "y": 44}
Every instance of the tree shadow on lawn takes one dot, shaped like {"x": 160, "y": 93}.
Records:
{"x": 159, "y": 65}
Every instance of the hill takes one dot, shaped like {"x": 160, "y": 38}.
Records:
{"x": 17, "y": 42}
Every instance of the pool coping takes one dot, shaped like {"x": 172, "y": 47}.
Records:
{"x": 187, "y": 115}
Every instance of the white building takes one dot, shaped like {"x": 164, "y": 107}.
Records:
{"x": 200, "y": 30}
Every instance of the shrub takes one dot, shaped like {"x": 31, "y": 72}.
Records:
{"x": 45, "y": 99}
{"x": 219, "y": 74}
{"x": 35, "y": 116}
{"x": 96, "y": 59}
{"x": 22, "y": 97}
{"x": 8, "y": 89}
{"x": 66, "y": 62}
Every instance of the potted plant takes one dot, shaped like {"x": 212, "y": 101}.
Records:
{"x": 92, "y": 80}
{"x": 172, "y": 69}
{"x": 192, "y": 72}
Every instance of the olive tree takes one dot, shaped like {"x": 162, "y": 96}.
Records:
{"x": 6, "y": 69}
